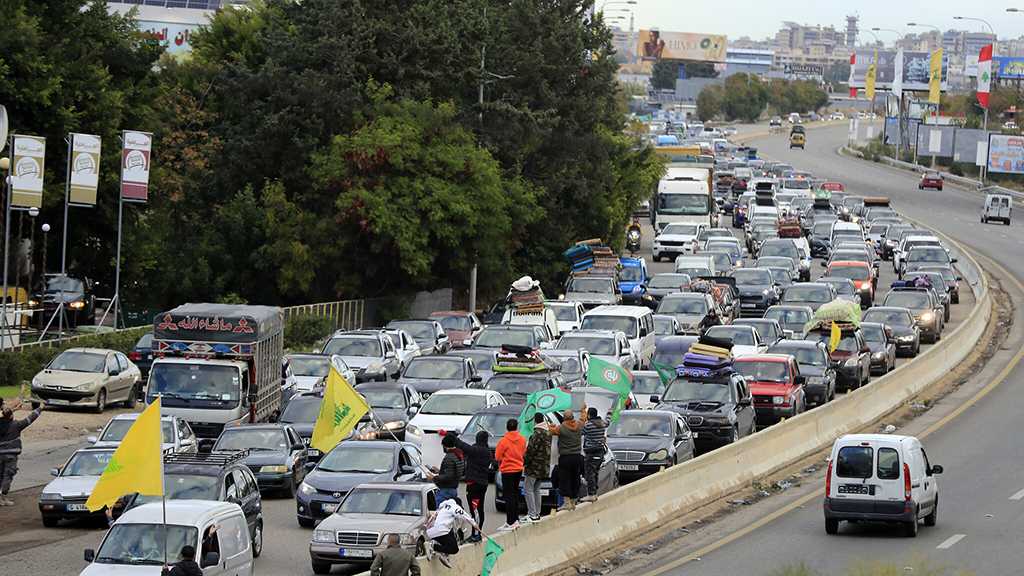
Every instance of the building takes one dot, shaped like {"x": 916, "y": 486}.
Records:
{"x": 852, "y": 29}
{"x": 748, "y": 60}
{"x": 172, "y": 21}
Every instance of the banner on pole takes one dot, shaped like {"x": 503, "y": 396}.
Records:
{"x": 27, "y": 166}
{"x": 84, "y": 170}
{"x": 935, "y": 77}
{"x": 136, "y": 154}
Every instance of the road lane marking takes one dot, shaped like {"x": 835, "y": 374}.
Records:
{"x": 949, "y": 542}
{"x": 1018, "y": 496}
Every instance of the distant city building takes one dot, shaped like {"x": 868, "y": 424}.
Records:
{"x": 171, "y": 21}
{"x": 748, "y": 60}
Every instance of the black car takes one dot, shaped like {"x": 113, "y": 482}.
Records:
{"x": 951, "y": 278}
{"x": 901, "y": 322}
{"x": 757, "y": 290}
{"x": 429, "y": 334}
{"x": 815, "y": 366}
{"x": 695, "y": 311}
{"x": 142, "y": 356}
{"x": 301, "y": 413}
{"x": 277, "y": 455}
{"x": 648, "y": 441}
{"x": 429, "y": 374}
{"x": 882, "y": 342}
{"x": 393, "y": 404}
{"x": 76, "y": 293}
{"x": 718, "y": 410}
{"x": 221, "y": 477}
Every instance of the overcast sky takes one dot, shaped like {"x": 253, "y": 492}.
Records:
{"x": 762, "y": 18}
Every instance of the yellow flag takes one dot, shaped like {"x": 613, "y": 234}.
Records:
{"x": 935, "y": 77}
{"x": 869, "y": 82}
{"x": 136, "y": 466}
{"x": 340, "y": 411}
{"x": 834, "y": 337}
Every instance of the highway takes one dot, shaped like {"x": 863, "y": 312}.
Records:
{"x": 982, "y": 490}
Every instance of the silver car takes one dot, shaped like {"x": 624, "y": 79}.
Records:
{"x": 64, "y": 497}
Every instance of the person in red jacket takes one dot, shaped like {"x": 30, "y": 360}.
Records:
{"x": 509, "y": 454}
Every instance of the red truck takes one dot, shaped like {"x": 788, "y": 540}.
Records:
{"x": 776, "y": 385}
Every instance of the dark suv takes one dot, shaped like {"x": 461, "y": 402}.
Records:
{"x": 718, "y": 410}
{"x": 76, "y": 293}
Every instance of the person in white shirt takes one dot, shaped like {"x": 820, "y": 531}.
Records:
{"x": 441, "y": 530}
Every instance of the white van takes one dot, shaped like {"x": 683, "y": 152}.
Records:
{"x": 696, "y": 265}
{"x": 134, "y": 544}
{"x": 543, "y": 317}
{"x": 881, "y": 478}
{"x": 636, "y": 322}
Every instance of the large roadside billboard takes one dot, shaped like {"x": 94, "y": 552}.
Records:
{"x": 1008, "y": 67}
{"x": 1006, "y": 153}
{"x": 655, "y": 45}
{"x": 915, "y": 69}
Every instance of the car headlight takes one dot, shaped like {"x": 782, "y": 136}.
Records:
{"x": 77, "y": 305}
{"x": 49, "y": 496}
{"x": 637, "y": 289}
{"x": 84, "y": 387}
{"x": 324, "y": 536}
{"x": 403, "y": 539}
{"x": 396, "y": 425}
{"x": 33, "y": 303}
{"x": 778, "y": 399}
{"x": 273, "y": 469}
{"x": 878, "y": 355}
{"x": 851, "y": 362}
{"x": 413, "y": 431}
{"x": 765, "y": 292}
{"x": 307, "y": 489}
{"x": 927, "y": 317}
{"x": 659, "y": 455}
{"x": 907, "y": 338}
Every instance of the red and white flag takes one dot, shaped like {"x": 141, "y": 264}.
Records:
{"x": 853, "y": 62}
{"x": 984, "y": 75}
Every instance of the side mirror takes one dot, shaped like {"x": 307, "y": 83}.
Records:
{"x": 113, "y": 372}
{"x": 800, "y": 380}
{"x": 389, "y": 355}
{"x": 210, "y": 559}
{"x": 206, "y": 445}
{"x": 476, "y": 378}
{"x": 407, "y": 469}
{"x": 655, "y": 398}
{"x": 745, "y": 402}
{"x": 89, "y": 555}
{"x": 936, "y": 469}
{"x": 91, "y": 439}
{"x": 54, "y": 472}
{"x": 413, "y": 410}
{"x": 299, "y": 446}
{"x": 545, "y": 345}
{"x": 467, "y": 342}
{"x": 788, "y": 334}
{"x": 953, "y": 260}
{"x": 309, "y": 467}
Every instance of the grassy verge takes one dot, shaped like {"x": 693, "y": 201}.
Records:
{"x": 8, "y": 392}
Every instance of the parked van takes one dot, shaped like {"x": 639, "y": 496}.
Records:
{"x": 881, "y": 478}
{"x": 636, "y": 322}
{"x": 217, "y": 530}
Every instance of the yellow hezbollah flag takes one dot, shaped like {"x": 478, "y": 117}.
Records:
{"x": 834, "y": 337}
{"x": 136, "y": 466}
{"x": 340, "y": 411}
{"x": 869, "y": 82}
{"x": 935, "y": 77}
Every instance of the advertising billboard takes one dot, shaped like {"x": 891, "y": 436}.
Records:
{"x": 1008, "y": 68}
{"x": 915, "y": 69}
{"x": 175, "y": 37}
{"x": 85, "y": 169}
{"x": 1006, "y": 153}
{"x": 804, "y": 70}
{"x": 135, "y": 163}
{"x": 653, "y": 45}
{"x": 27, "y": 166}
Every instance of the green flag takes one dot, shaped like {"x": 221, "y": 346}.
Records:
{"x": 542, "y": 401}
{"x": 610, "y": 376}
{"x": 492, "y": 551}
{"x": 665, "y": 372}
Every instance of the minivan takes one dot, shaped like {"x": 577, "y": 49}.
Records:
{"x": 881, "y": 478}
{"x": 636, "y": 322}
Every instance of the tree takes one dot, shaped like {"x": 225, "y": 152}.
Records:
{"x": 796, "y": 96}
{"x": 744, "y": 97}
{"x": 700, "y": 70}
{"x": 838, "y": 73}
{"x": 709, "y": 102}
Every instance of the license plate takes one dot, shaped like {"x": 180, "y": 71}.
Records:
{"x": 629, "y": 467}
{"x": 58, "y": 402}
{"x": 313, "y": 452}
{"x": 695, "y": 434}
{"x": 329, "y": 508}
{"x": 544, "y": 492}
{"x": 355, "y": 553}
{"x": 149, "y": 356}
{"x": 747, "y": 305}
{"x": 854, "y": 489}
{"x": 77, "y": 508}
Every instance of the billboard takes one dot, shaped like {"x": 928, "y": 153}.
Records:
{"x": 655, "y": 45}
{"x": 1006, "y": 154}
{"x": 804, "y": 70}
{"x": 84, "y": 170}
{"x": 915, "y": 69}
{"x": 175, "y": 37}
{"x": 135, "y": 163}
{"x": 1008, "y": 68}
{"x": 27, "y": 165}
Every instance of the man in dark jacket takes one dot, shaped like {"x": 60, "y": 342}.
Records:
{"x": 394, "y": 560}
{"x": 452, "y": 469}
{"x": 478, "y": 475}
{"x": 537, "y": 466}
{"x": 186, "y": 566}
{"x": 595, "y": 444}
{"x": 10, "y": 446}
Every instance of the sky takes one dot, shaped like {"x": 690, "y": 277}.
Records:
{"x": 762, "y": 18}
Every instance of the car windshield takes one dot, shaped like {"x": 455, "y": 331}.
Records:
{"x": 878, "y": 229}
{"x": 680, "y": 229}
{"x": 146, "y": 341}
{"x": 821, "y": 229}
{"x": 591, "y": 285}
{"x": 804, "y": 355}
{"x": 641, "y": 425}
{"x": 87, "y": 463}
{"x": 515, "y": 386}
{"x": 787, "y": 249}
{"x": 648, "y": 384}
{"x": 912, "y": 300}
{"x": 723, "y": 260}
{"x": 600, "y": 345}
{"x": 178, "y": 486}
{"x": 75, "y": 361}
{"x": 694, "y": 271}
{"x": 455, "y": 404}
{"x": 873, "y": 333}
{"x": 435, "y": 368}
{"x": 383, "y": 501}
{"x": 118, "y": 427}
{"x": 420, "y": 331}
{"x": 243, "y": 438}
{"x": 144, "y": 544}
{"x": 369, "y": 460}
{"x": 849, "y": 272}
{"x": 564, "y": 313}
{"x": 781, "y": 276}
{"x": 63, "y": 284}
{"x": 740, "y": 336}
{"x": 842, "y": 287}
{"x": 195, "y": 381}
{"x": 496, "y": 337}
{"x": 302, "y": 410}
{"x": 798, "y": 184}
{"x": 927, "y": 254}
{"x": 631, "y": 274}
{"x": 664, "y": 326}
{"x": 461, "y": 323}
{"x": 625, "y": 324}
{"x": 683, "y": 204}
{"x": 354, "y": 347}
{"x": 764, "y": 371}
{"x": 848, "y": 343}
{"x": 786, "y": 316}
{"x": 752, "y": 277}
{"x": 482, "y": 359}
{"x": 891, "y": 317}
{"x": 686, "y": 390}
{"x": 493, "y": 424}
{"x": 697, "y": 306}
{"x": 317, "y": 366}
{"x": 383, "y": 398}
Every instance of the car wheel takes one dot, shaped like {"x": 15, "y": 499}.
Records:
{"x": 831, "y": 526}
{"x": 289, "y": 490}
{"x": 421, "y": 547}
{"x": 910, "y": 529}
{"x": 129, "y": 402}
{"x": 321, "y": 567}
{"x": 932, "y": 518}
{"x": 101, "y": 400}
{"x": 305, "y": 522}
{"x": 257, "y": 540}
{"x": 983, "y": 220}
{"x": 656, "y": 258}
{"x": 51, "y": 521}
{"x": 735, "y": 437}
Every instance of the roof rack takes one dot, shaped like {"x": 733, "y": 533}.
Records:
{"x": 214, "y": 458}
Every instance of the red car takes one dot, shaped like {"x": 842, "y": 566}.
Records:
{"x": 776, "y": 385}
{"x": 930, "y": 180}
{"x": 862, "y": 274}
{"x": 459, "y": 325}
{"x": 833, "y": 186}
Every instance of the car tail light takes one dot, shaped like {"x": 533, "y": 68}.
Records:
{"x": 135, "y": 356}
{"x": 828, "y": 479}
{"x": 907, "y": 492}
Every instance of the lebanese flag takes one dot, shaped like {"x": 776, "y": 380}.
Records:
{"x": 984, "y": 75}
{"x": 853, "y": 62}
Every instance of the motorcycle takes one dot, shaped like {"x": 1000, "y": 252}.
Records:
{"x": 633, "y": 238}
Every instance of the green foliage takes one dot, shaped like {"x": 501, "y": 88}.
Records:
{"x": 838, "y": 72}
{"x": 306, "y": 331}
{"x": 709, "y": 102}
{"x": 744, "y": 98}
{"x": 802, "y": 96}
{"x": 17, "y": 367}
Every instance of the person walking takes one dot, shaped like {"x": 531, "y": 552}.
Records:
{"x": 536, "y": 466}
{"x": 595, "y": 444}
{"x": 478, "y": 475}
{"x": 452, "y": 469}
{"x": 186, "y": 565}
{"x": 509, "y": 455}
{"x": 394, "y": 560}
{"x": 570, "y": 456}
{"x": 441, "y": 530}
{"x": 10, "y": 445}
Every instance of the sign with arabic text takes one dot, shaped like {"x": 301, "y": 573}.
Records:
{"x": 27, "y": 163}
{"x": 136, "y": 154}
{"x": 84, "y": 170}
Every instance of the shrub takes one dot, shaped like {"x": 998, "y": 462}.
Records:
{"x": 304, "y": 332}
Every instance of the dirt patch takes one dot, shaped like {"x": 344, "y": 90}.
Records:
{"x": 65, "y": 423}
{"x": 23, "y": 526}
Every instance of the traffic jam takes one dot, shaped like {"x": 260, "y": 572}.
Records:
{"x": 757, "y": 292}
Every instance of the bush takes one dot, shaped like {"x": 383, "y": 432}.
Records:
{"x": 20, "y": 366}
{"x": 304, "y": 332}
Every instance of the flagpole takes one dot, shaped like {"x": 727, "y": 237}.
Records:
{"x": 163, "y": 484}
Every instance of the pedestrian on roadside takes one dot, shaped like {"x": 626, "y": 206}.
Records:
{"x": 186, "y": 565}
{"x": 452, "y": 469}
{"x": 509, "y": 455}
{"x": 394, "y": 560}
{"x": 536, "y": 466}
{"x": 570, "y": 456}
{"x": 595, "y": 444}
{"x": 10, "y": 445}
{"x": 478, "y": 475}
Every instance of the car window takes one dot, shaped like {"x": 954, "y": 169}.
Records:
{"x": 112, "y": 363}
{"x": 855, "y": 462}
{"x": 122, "y": 362}
{"x": 211, "y": 541}
{"x": 888, "y": 464}
{"x": 241, "y": 482}
{"x": 234, "y": 536}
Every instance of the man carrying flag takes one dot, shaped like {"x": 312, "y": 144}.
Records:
{"x": 340, "y": 411}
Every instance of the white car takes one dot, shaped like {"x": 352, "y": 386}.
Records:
{"x": 675, "y": 239}
{"x": 406, "y": 347}
{"x": 452, "y": 409}
{"x": 177, "y": 434}
{"x": 745, "y": 339}
{"x": 64, "y": 497}
{"x": 607, "y": 345}
{"x": 569, "y": 314}
{"x": 304, "y": 372}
